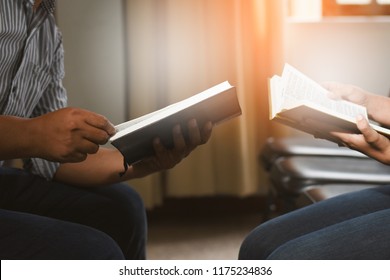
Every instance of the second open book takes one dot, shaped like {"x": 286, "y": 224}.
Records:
{"x": 299, "y": 102}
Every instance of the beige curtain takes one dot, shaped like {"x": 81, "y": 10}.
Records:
{"x": 178, "y": 48}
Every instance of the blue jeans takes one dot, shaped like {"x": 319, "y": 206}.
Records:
{"x": 351, "y": 226}
{"x": 41, "y": 219}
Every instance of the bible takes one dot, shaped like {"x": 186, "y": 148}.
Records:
{"x": 300, "y": 102}
{"x": 134, "y": 139}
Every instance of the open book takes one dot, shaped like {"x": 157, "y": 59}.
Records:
{"x": 134, "y": 139}
{"x": 297, "y": 101}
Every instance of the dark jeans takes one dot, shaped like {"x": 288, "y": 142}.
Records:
{"x": 350, "y": 226}
{"x": 40, "y": 219}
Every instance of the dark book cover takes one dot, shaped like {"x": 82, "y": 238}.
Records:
{"x": 214, "y": 105}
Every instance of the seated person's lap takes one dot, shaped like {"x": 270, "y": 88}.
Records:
{"x": 330, "y": 218}
{"x": 113, "y": 212}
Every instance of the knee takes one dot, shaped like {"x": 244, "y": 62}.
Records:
{"x": 130, "y": 206}
{"x": 128, "y": 220}
{"x": 122, "y": 204}
{"x": 70, "y": 241}
{"x": 96, "y": 245}
{"x": 258, "y": 244}
{"x": 247, "y": 249}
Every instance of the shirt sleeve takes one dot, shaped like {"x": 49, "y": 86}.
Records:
{"x": 53, "y": 98}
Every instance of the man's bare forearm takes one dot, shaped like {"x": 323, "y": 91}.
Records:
{"x": 101, "y": 168}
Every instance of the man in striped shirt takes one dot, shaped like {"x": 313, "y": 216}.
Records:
{"x": 68, "y": 202}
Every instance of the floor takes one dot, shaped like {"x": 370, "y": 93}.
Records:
{"x": 204, "y": 231}
{"x": 199, "y": 239}
{"x": 210, "y": 228}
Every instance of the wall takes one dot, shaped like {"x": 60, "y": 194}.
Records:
{"x": 94, "y": 55}
{"x": 350, "y": 50}
{"x": 346, "y": 50}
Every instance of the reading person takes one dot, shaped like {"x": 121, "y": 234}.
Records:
{"x": 67, "y": 202}
{"x": 349, "y": 226}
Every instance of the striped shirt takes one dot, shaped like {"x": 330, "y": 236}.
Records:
{"x": 31, "y": 67}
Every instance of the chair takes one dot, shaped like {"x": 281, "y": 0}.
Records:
{"x": 317, "y": 169}
{"x": 275, "y": 148}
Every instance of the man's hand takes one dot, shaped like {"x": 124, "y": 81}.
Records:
{"x": 69, "y": 135}
{"x": 92, "y": 172}
{"x": 167, "y": 159}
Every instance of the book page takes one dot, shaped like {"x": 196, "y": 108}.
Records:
{"x": 132, "y": 122}
{"x": 153, "y": 117}
{"x": 276, "y": 101}
{"x": 298, "y": 88}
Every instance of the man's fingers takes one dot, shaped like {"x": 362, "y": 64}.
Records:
{"x": 94, "y": 135}
{"x": 206, "y": 132}
{"x": 88, "y": 147}
{"x": 98, "y": 129}
{"x": 194, "y": 134}
{"x": 180, "y": 147}
{"x": 100, "y": 122}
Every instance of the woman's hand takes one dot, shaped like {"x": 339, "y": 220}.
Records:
{"x": 377, "y": 105}
{"x": 350, "y": 93}
{"x": 370, "y": 142}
